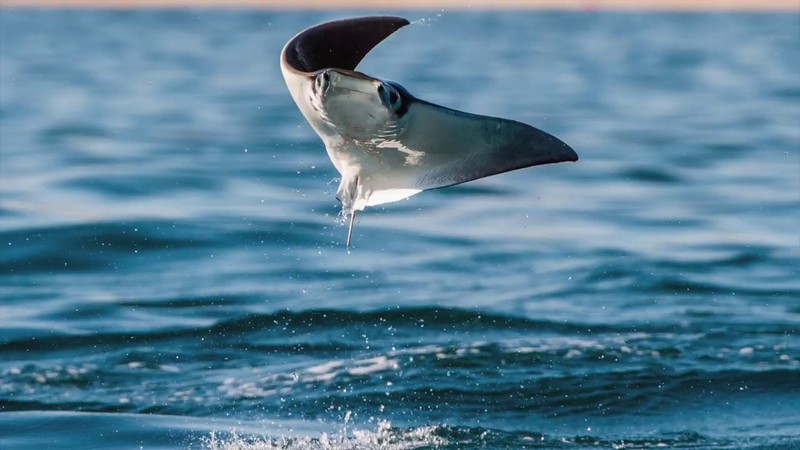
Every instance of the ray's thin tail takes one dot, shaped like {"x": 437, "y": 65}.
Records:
{"x": 350, "y": 229}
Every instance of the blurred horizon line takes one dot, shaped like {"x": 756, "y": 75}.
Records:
{"x": 570, "y": 5}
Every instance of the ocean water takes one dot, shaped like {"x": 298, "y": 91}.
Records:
{"x": 173, "y": 274}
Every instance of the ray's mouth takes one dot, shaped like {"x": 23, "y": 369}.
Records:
{"x": 330, "y": 81}
{"x": 359, "y": 91}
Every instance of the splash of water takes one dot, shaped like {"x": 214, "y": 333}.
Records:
{"x": 384, "y": 437}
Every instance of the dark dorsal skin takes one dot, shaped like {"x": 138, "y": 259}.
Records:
{"x": 341, "y": 44}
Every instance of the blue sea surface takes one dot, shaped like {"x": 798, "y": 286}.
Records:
{"x": 173, "y": 273}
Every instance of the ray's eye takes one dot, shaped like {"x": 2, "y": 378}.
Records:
{"x": 322, "y": 81}
{"x": 390, "y": 97}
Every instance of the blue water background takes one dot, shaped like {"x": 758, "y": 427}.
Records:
{"x": 172, "y": 273}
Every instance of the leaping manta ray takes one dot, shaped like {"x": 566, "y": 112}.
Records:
{"x": 387, "y": 144}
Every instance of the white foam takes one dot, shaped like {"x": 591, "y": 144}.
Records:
{"x": 325, "y": 367}
{"x": 372, "y": 365}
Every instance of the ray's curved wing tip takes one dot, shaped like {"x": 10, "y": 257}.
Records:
{"x": 557, "y": 151}
{"x": 570, "y": 154}
{"x": 339, "y": 44}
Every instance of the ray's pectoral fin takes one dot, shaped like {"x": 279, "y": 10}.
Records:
{"x": 461, "y": 147}
{"x": 340, "y": 43}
